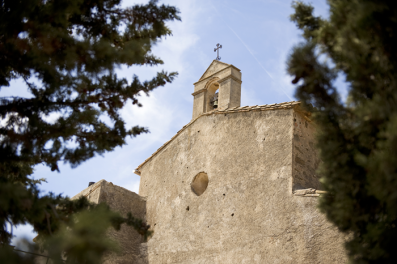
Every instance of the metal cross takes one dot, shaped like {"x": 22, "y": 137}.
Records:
{"x": 217, "y": 50}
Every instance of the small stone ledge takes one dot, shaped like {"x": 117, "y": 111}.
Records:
{"x": 308, "y": 192}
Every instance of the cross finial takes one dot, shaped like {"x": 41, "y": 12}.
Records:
{"x": 217, "y": 50}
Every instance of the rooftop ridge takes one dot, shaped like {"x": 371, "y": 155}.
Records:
{"x": 284, "y": 105}
{"x": 214, "y": 61}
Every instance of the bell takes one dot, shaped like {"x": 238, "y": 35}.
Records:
{"x": 216, "y": 104}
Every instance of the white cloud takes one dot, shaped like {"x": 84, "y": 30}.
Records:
{"x": 22, "y": 232}
{"x": 152, "y": 115}
{"x": 133, "y": 186}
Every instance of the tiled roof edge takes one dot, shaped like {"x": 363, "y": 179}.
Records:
{"x": 285, "y": 105}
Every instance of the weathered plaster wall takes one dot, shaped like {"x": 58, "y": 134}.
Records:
{"x": 305, "y": 156}
{"x": 229, "y": 93}
{"x": 199, "y": 103}
{"x": 122, "y": 201}
{"x": 248, "y": 213}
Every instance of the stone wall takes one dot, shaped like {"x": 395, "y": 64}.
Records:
{"x": 248, "y": 213}
{"x": 123, "y": 201}
{"x": 305, "y": 156}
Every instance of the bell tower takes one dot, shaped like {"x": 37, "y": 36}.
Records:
{"x": 218, "y": 88}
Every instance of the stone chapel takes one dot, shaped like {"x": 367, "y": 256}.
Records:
{"x": 234, "y": 185}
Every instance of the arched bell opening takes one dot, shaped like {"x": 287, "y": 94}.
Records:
{"x": 212, "y": 96}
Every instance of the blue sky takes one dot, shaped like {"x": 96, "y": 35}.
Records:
{"x": 256, "y": 37}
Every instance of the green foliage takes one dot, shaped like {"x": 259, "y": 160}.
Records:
{"x": 81, "y": 238}
{"x": 66, "y": 52}
{"x": 7, "y": 254}
{"x": 358, "y": 136}
{"x": 72, "y": 48}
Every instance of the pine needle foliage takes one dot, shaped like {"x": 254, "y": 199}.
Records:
{"x": 66, "y": 52}
{"x": 357, "y": 136}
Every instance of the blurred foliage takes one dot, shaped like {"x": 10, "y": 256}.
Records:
{"x": 81, "y": 238}
{"x": 357, "y": 135}
{"x": 66, "y": 52}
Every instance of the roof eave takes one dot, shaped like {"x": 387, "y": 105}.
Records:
{"x": 285, "y": 105}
